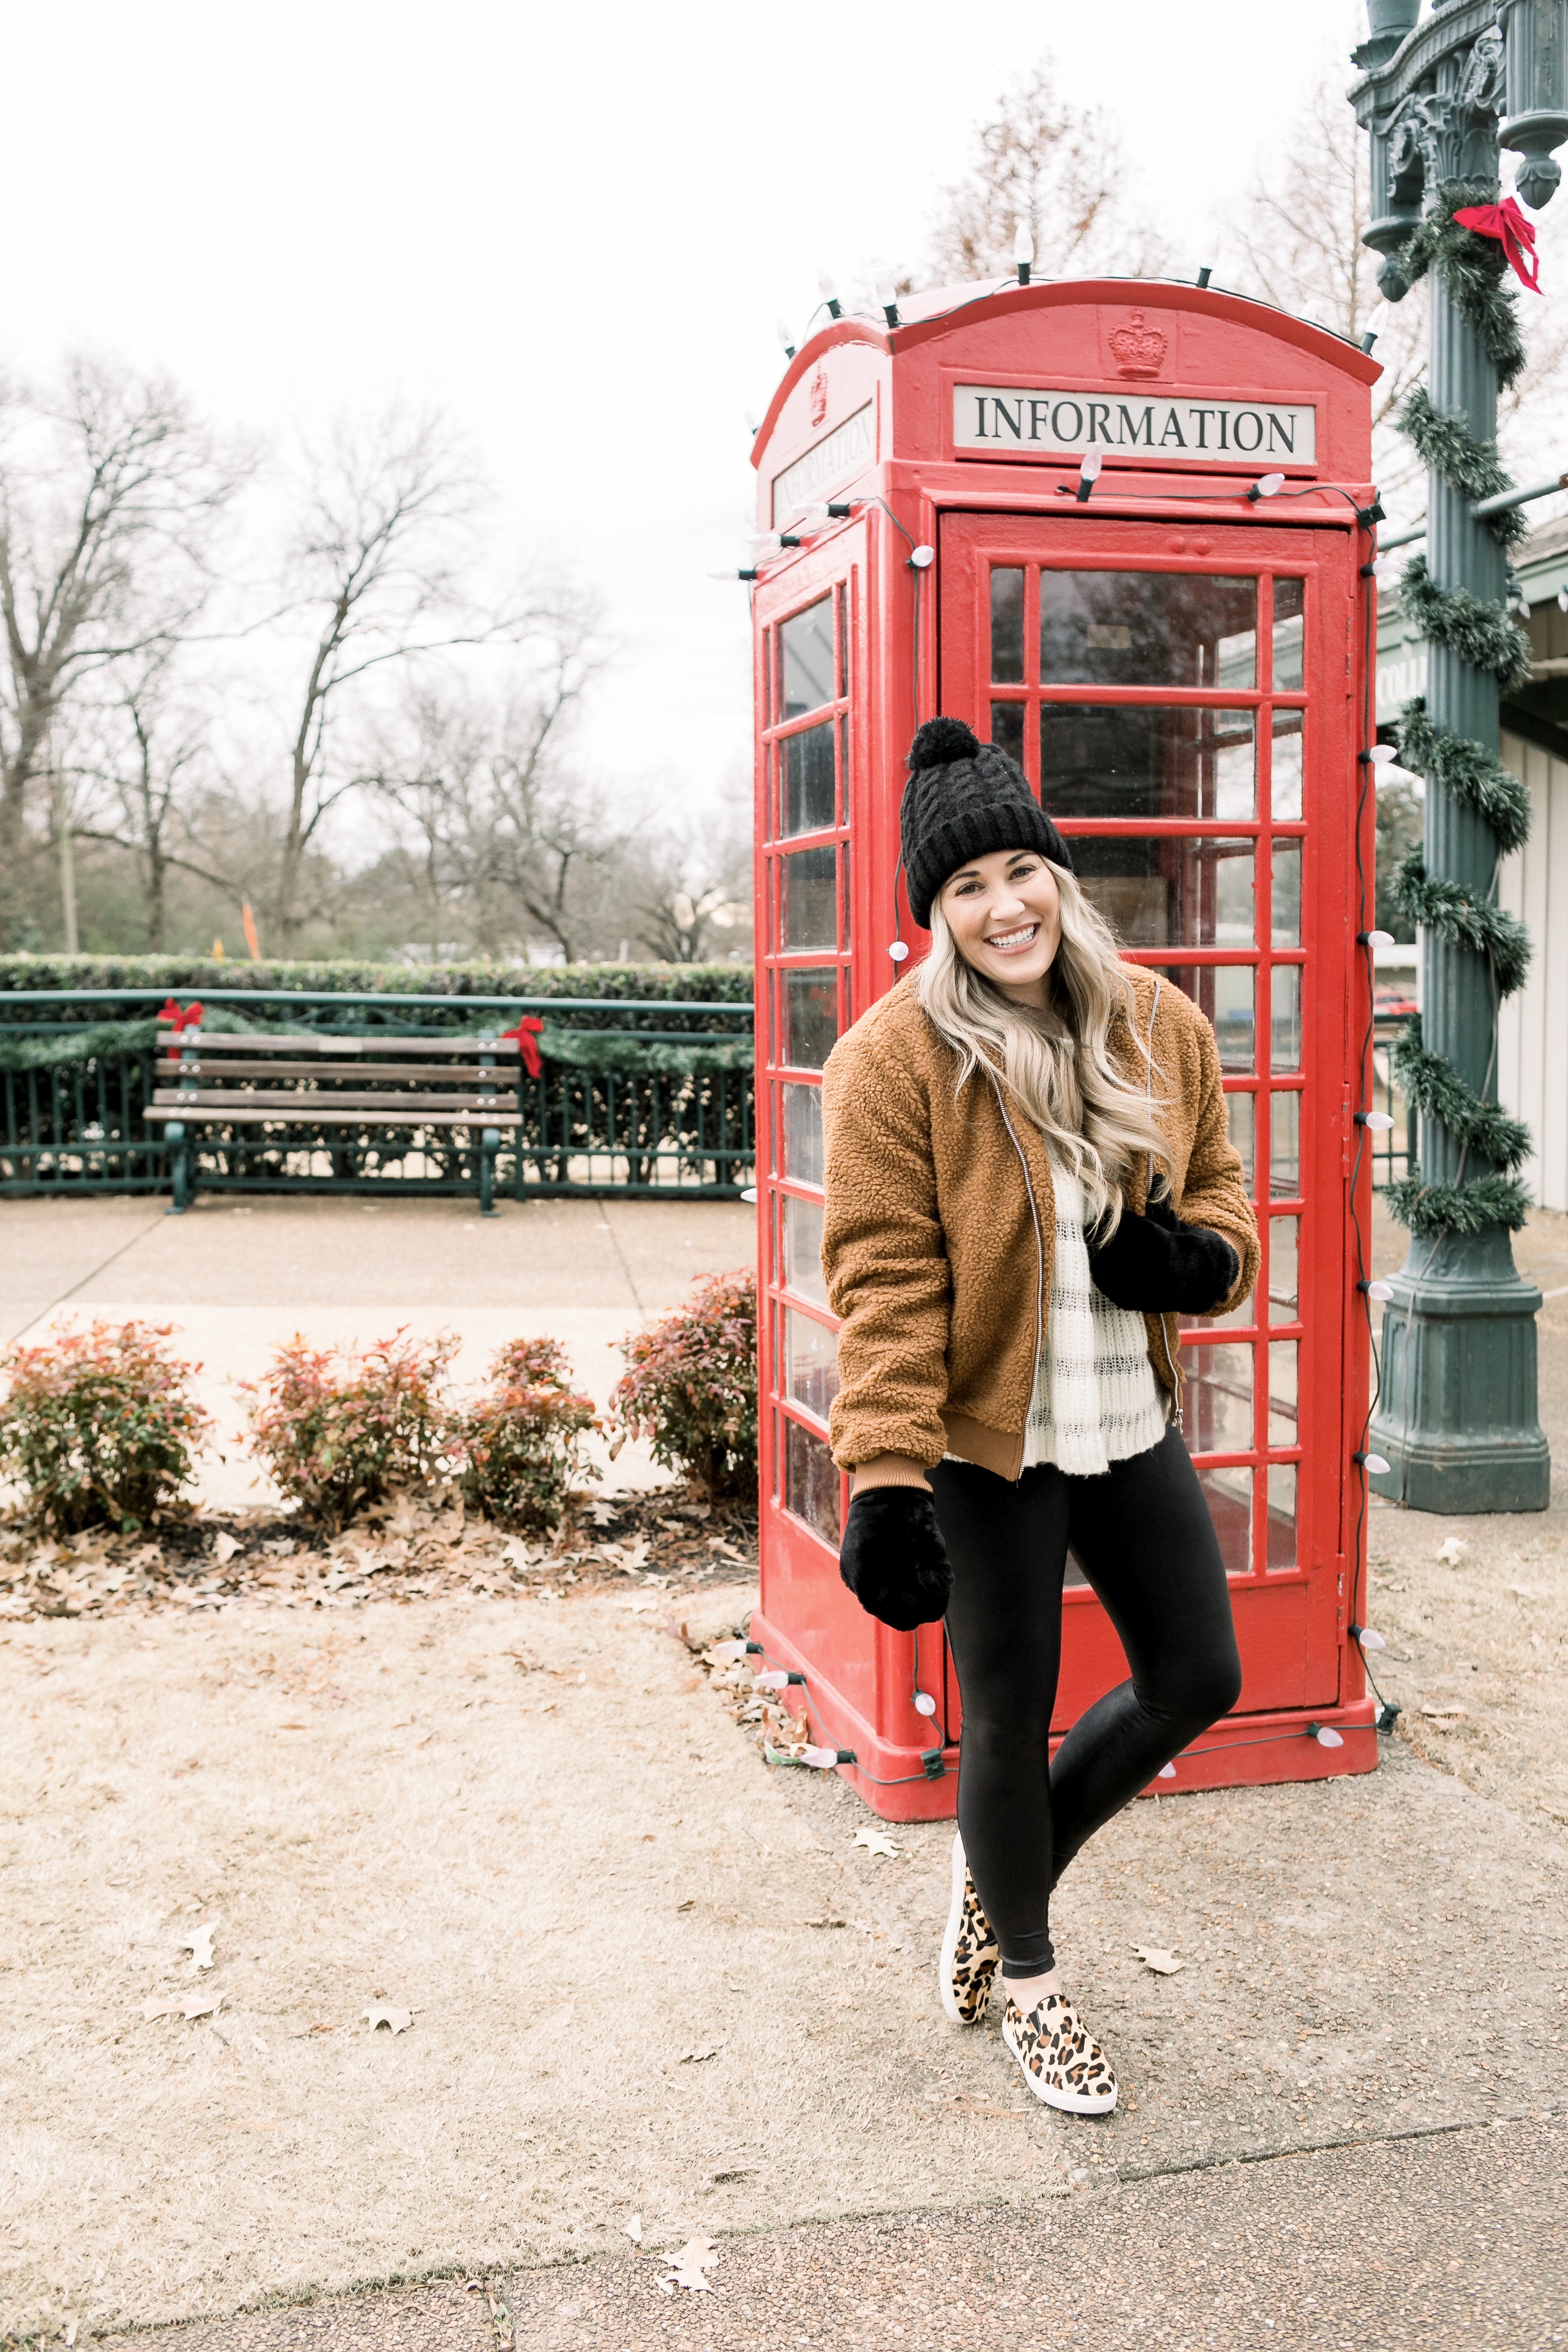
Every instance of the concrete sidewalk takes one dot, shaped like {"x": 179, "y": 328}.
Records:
{"x": 237, "y": 1278}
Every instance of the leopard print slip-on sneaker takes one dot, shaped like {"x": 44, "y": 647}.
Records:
{"x": 1062, "y": 2063}
{"x": 970, "y": 1951}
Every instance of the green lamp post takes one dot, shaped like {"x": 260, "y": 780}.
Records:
{"x": 1457, "y": 1422}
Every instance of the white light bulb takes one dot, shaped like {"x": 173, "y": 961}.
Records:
{"x": 897, "y": 951}
{"x": 1326, "y": 1737}
{"x": 1383, "y": 754}
{"x": 726, "y": 1653}
{"x": 826, "y": 285}
{"x": 924, "y": 1703}
{"x": 1380, "y": 939}
{"x": 772, "y": 1680}
{"x": 750, "y": 1194}
{"x": 1383, "y": 1290}
{"x": 1270, "y": 485}
{"x": 1166, "y": 1772}
{"x": 1023, "y": 244}
{"x": 1562, "y": 600}
{"x": 1093, "y": 461}
{"x": 766, "y": 542}
{"x": 787, "y": 338}
{"x": 823, "y": 1759}
{"x": 1376, "y": 1464}
{"x": 1378, "y": 1120}
{"x": 1370, "y": 1641}
{"x": 923, "y": 557}
{"x": 887, "y": 293}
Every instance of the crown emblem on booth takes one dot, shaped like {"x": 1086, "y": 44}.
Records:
{"x": 1137, "y": 348}
{"x": 817, "y": 394}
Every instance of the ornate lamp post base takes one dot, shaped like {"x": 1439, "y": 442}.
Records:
{"x": 1457, "y": 1420}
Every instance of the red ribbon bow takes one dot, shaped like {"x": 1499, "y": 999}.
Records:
{"x": 1507, "y": 225}
{"x": 191, "y": 1018}
{"x": 526, "y": 1033}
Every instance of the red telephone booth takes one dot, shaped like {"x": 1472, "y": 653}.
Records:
{"x": 1179, "y": 660}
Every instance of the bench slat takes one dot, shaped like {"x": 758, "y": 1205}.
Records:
{"x": 346, "y": 1049}
{"x": 351, "y": 1073}
{"x": 342, "y": 1098}
{"x": 231, "y": 1114}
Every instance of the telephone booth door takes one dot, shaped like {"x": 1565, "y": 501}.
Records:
{"x": 1178, "y": 701}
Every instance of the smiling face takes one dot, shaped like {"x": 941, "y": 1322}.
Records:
{"x": 1005, "y": 913}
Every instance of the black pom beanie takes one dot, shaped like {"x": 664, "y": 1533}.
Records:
{"x": 963, "y": 799}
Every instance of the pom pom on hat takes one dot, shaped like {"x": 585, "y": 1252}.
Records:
{"x": 940, "y": 742}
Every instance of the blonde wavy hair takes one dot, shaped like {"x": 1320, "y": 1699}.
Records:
{"x": 1055, "y": 1064}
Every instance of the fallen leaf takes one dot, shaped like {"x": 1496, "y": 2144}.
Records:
{"x": 1443, "y": 1714}
{"x": 875, "y": 1843}
{"x": 687, "y": 2265}
{"x": 1451, "y": 1550}
{"x": 639, "y": 1608}
{"x": 718, "y": 1544}
{"x": 1164, "y": 1964}
{"x": 634, "y": 2229}
{"x": 699, "y": 2057}
{"x": 194, "y": 2004}
{"x": 224, "y": 1548}
{"x": 199, "y": 1943}
{"x": 400, "y": 2019}
{"x": 825, "y": 1923}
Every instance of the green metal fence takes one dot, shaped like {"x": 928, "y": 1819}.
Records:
{"x": 632, "y": 1097}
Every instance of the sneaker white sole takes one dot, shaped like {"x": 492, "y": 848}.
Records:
{"x": 1071, "y": 2103}
{"x": 949, "y": 1954}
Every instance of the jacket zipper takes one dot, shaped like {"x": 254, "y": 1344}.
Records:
{"x": 1039, "y": 1262}
{"x": 1164, "y": 1337}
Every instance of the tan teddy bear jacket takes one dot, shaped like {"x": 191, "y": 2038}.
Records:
{"x": 941, "y": 1226}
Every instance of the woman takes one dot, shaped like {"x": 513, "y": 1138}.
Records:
{"x": 1028, "y": 1180}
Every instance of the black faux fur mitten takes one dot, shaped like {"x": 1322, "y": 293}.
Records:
{"x": 893, "y": 1557}
{"x": 1157, "y": 1265}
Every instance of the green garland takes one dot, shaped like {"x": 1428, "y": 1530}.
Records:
{"x": 1448, "y": 908}
{"x": 1473, "y": 269}
{"x": 1436, "y": 1089}
{"x": 1478, "y": 631}
{"x": 1474, "y": 776}
{"x": 1486, "y": 637}
{"x": 1446, "y": 444}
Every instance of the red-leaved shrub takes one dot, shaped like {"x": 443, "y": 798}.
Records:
{"x": 519, "y": 1447}
{"x": 690, "y": 1384}
{"x": 340, "y": 1431}
{"x": 97, "y": 1427}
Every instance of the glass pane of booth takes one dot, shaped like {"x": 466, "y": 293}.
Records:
{"x": 808, "y": 899}
{"x": 1130, "y": 759}
{"x": 1286, "y": 916}
{"x": 1007, "y": 627}
{"x": 810, "y": 1482}
{"x": 1285, "y": 1017}
{"x": 1218, "y": 1411}
{"x": 1286, "y": 793}
{"x": 1008, "y": 728}
{"x": 1228, "y": 1493}
{"x": 1242, "y": 1109}
{"x": 1161, "y": 891}
{"x": 810, "y": 1015}
{"x": 803, "y": 1134}
{"x": 1283, "y": 1424}
{"x": 1290, "y": 623}
{"x": 811, "y": 1355}
{"x": 803, "y": 1248}
{"x": 808, "y": 660}
{"x": 1282, "y": 1514}
{"x": 808, "y": 798}
{"x": 1285, "y": 1147}
{"x": 1224, "y": 991}
{"x": 1284, "y": 1301}
{"x": 1147, "y": 629}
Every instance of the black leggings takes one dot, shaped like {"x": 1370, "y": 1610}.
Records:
{"x": 1144, "y": 1537}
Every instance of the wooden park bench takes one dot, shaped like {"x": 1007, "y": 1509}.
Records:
{"x": 334, "y": 1086}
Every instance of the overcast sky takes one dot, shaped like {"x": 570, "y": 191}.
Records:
{"x": 572, "y": 226}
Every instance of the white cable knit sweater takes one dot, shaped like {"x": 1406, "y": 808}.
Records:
{"x": 1095, "y": 1399}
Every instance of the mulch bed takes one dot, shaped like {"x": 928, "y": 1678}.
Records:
{"x": 659, "y": 1545}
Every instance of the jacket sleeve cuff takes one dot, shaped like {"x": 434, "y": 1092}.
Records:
{"x": 888, "y": 1470}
